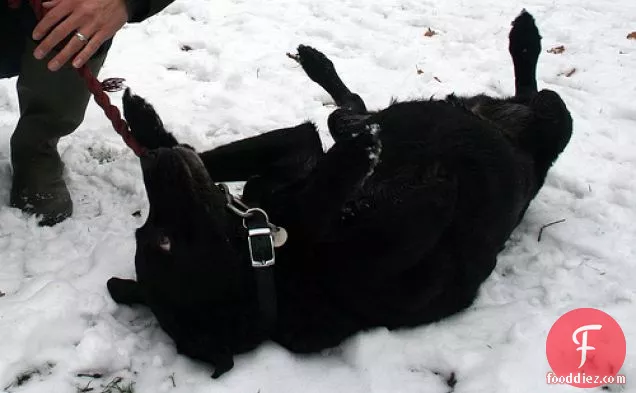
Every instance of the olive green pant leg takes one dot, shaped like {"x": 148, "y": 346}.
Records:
{"x": 52, "y": 105}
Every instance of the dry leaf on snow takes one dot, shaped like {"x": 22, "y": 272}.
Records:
{"x": 430, "y": 33}
{"x": 557, "y": 50}
{"x": 568, "y": 73}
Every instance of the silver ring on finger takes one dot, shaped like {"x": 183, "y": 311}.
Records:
{"x": 81, "y": 36}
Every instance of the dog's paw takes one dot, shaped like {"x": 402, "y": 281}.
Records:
{"x": 145, "y": 125}
{"x": 124, "y": 291}
{"x": 317, "y": 66}
{"x": 525, "y": 40}
{"x": 208, "y": 349}
{"x": 221, "y": 367}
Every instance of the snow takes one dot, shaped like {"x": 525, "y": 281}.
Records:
{"x": 57, "y": 320}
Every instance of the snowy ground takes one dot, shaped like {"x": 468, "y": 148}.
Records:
{"x": 57, "y": 320}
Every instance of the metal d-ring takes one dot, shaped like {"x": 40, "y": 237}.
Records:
{"x": 250, "y": 212}
{"x": 239, "y": 208}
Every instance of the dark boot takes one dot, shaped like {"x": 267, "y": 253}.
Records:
{"x": 52, "y": 105}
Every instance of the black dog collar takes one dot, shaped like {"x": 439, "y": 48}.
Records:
{"x": 261, "y": 246}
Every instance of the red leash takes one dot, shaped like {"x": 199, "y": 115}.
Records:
{"x": 110, "y": 110}
{"x": 97, "y": 89}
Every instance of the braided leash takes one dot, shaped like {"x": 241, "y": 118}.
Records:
{"x": 98, "y": 89}
{"x": 112, "y": 112}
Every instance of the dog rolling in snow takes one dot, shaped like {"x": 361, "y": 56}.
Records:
{"x": 396, "y": 225}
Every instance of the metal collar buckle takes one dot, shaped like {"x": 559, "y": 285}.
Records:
{"x": 259, "y": 238}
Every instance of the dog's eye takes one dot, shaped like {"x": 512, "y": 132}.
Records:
{"x": 164, "y": 243}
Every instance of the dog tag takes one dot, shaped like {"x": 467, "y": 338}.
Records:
{"x": 280, "y": 236}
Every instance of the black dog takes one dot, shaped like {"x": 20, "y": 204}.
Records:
{"x": 396, "y": 225}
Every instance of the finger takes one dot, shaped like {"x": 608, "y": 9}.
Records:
{"x": 93, "y": 45}
{"x": 61, "y": 31}
{"x": 52, "y": 18}
{"x": 50, "y": 4}
{"x": 74, "y": 45}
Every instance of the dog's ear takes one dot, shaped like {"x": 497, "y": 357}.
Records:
{"x": 145, "y": 124}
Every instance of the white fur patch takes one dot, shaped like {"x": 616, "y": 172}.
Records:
{"x": 376, "y": 150}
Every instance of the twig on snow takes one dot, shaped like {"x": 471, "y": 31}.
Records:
{"x": 548, "y": 225}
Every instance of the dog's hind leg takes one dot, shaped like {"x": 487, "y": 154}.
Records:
{"x": 322, "y": 71}
{"x": 525, "y": 47}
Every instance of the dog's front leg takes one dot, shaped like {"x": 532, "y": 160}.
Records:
{"x": 194, "y": 338}
{"x": 322, "y": 71}
{"x": 126, "y": 292}
{"x": 145, "y": 124}
{"x": 200, "y": 347}
{"x": 337, "y": 176}
{"x": 288, "y": 152}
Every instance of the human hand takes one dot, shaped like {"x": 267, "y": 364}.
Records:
{"x": 96, "y": 20}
